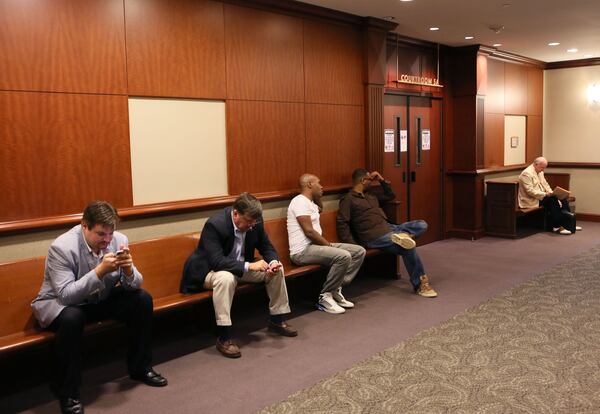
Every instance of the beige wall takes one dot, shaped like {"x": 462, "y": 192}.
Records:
{"x": 36, "y": 244}
{"x": 584, "y": 186}
{"x": 571, "y": 124}
{"x": 572, "y": 130}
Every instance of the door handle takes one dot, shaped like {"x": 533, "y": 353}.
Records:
{"x": 413, "y": 176}
{"x": 404, "y": 176}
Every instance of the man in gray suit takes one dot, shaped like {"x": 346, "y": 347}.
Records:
{"x": 90, "y": 276}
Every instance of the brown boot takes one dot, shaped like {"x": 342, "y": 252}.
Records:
{"x": 424, "y": 289}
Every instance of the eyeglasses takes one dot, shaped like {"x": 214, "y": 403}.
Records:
{"x": 250, "y": 222}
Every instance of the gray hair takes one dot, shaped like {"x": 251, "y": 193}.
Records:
{"x": 540, "y": 160}
{"x": 246, "y": 203}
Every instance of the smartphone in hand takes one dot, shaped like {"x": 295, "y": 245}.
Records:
{"x": 121, "y": 252}
{"x": 274, "y": 267}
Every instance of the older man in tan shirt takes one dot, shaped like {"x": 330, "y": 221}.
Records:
{"x": 535, "y": 191}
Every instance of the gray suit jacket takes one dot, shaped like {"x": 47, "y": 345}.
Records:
{"x": 70, "y": 278}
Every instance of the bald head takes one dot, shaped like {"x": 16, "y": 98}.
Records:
{"x": 310, "y": 186}
{"x": 305, "y": 180}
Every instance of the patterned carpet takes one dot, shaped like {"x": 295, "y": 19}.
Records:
{"x": 533, "y": 349}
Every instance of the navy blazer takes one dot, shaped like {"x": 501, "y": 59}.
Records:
{"x": 216, "y": 243}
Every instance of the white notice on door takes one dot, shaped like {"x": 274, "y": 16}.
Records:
{"x": 389, "y": 141}
{"x": 425, "y": 140}
{"x": 403, "y": 140}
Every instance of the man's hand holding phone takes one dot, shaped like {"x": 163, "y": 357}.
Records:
{"x": 107, "y": 265}
{"x": 124, "y": 260}
{"x": 274, "y": 267}
{"x": 258, "y": 266}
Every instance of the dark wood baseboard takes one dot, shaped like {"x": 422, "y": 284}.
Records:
{"x": 466, "y": 234}
{"x": 588, "y": 217}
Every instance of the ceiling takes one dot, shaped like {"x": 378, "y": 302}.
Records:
{"x": 528, "y": 25}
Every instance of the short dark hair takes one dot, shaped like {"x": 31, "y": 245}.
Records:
{"x": 246, "y": 203}
{"x": 100, "y": 212}
{"x": 358, "y": 175}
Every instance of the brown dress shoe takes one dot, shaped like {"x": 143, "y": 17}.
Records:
{"x": 228, "y": 349}
{"x": 282, "y": 329}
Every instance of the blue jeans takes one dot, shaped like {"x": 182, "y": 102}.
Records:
{"x": 411, "y": 258}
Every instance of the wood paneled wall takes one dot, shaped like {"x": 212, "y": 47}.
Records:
{"x": 509, "y": 89}
{"x": 484, "y": 86}
{"x": 411, "y": 58}
{"x": 175, "y": 48}
{"x": 294, "y": 87}
{"x": 265, "y": 55}
{"x": 52, "y": 159}
{"x": 63, "y": 46}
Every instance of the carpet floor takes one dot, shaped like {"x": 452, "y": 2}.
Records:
{"x": 465, "y": 273}
{"x": 533, "y": 349}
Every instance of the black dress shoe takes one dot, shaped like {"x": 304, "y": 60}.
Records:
{"x": 71, "y": 406}
{"x": 151, "y": 378}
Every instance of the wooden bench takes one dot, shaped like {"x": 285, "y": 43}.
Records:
{"x": 161, "y": 263}
{"x": 502, "y": 205}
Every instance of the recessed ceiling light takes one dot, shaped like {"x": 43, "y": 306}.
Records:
{"x": 468, "y": 37}
{"x": 497, "y": 44}
{"x": 433, "y": 29}
{"x": 388, "y": 18}
{"x": 553, "y": 44}
{"x": 405, "y": 1}
{"x": 572, "y": 50}
{"x": 588, "y": 56}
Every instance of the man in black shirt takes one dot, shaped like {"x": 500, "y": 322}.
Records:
{"x": 360, "y": 216}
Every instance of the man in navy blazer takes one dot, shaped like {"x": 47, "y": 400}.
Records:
{"x": 90, "y": 276}
{"x": 225, "y": 257}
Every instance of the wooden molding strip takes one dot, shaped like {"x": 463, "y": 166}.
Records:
{"x": 562, "y": 164}
{"x": 588, "y": 217}
{"x": 551, "y": 164}
{"x": 487, "y": 171}
{"x": 577, "y": 63}
{"x": 149, "y": 210}
{"x": 299, "y": 9}
{"x": 510, "y": 57}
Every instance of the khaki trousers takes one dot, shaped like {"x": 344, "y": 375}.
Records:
{"x": 223, "y": 285}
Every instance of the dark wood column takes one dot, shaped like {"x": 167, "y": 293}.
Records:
{"x": 375, "y": 35}
{"x": 374, "y": 125}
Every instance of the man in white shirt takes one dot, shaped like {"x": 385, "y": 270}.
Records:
{"x": 308, "y": 246}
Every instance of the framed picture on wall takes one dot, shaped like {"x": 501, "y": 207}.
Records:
{"x": 514, "y": 142}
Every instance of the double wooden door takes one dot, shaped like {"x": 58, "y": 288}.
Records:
{"x": 413, "y": 158}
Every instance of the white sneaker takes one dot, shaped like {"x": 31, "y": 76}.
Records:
{"x": 578, "y": 228}
{"x": 341, "y": 300}
{"x": 562, "y": 230}
{"x": 328, "y": 304}
{"x": 404, "y": 240}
